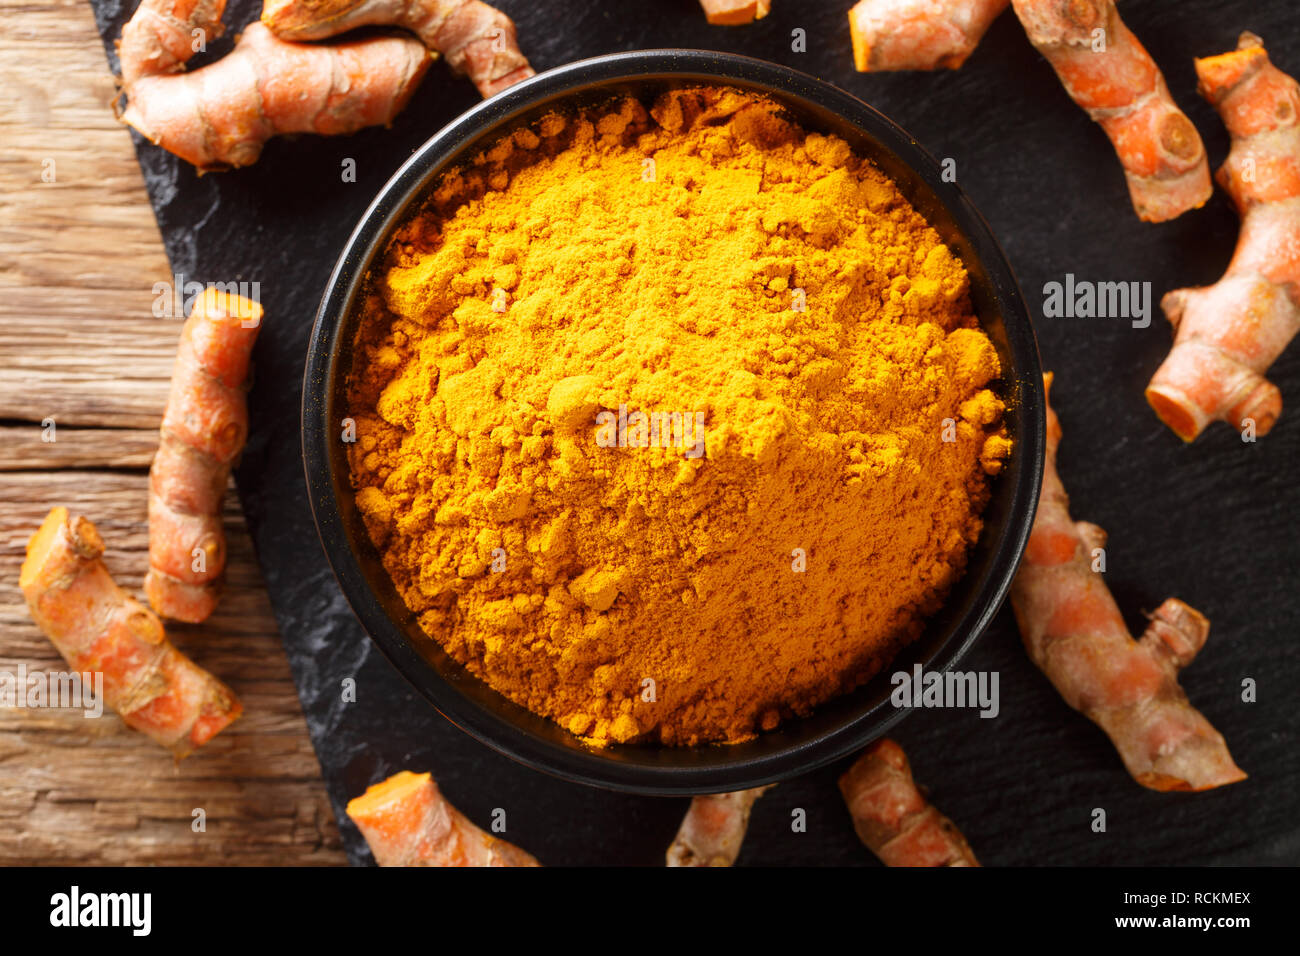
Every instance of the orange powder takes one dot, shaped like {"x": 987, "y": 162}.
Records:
{"x": 672, "y": 424}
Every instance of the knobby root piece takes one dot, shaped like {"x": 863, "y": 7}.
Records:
{"x": 221, "y": 115}
{"x": 1228, "y": 334}
{"x": 893, "y": 818}
{"x": 735, "y": 12}
{"x": 477, "y": 40}
{"x": 407, "y": 822}
{"x": 1106, "y": 70}
{"x": 99, "y": 628}
{"x": 1075, "y": 633}
{"x": 162, "y": 35}
{"x": 918, "y": 34}
{"x": 203, "y": 431}
{"x": 714, "y": 828}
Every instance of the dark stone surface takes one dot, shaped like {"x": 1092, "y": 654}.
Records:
{"x": 1210, "y": 523}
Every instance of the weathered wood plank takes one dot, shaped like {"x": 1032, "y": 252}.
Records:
{"x": 92, "y": 790}
{"x": 79, "y": 342}
{"x": 37, "y": 448}
{"x": 79, "y": 254}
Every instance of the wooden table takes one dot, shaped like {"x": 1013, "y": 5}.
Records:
{"x": 79, "y": 344}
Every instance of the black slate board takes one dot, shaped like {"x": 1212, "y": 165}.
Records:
{"x": 1209, "y": 523}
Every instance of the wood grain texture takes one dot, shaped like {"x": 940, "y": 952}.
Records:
{"x": 36, "y": 447}
{"x": 79, "y": 256}
{"x": 79, "y": 343}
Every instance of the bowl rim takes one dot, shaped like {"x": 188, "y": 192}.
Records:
{"x": 390, "y": 207}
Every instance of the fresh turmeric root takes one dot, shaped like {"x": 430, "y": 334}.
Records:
{"x": 713, "y": 829}
{"x": 220, "y": 116}
{"x": 203, "y": 430}
{"x": 160, "y": 36}
{"x": 735, "y": 12}
{"x": 1228, "y": 334}
{"x": 918, "y": 34}
{"x": 99, "y": 628}
{"x": 408, "y": 822}
{"x": 893, "y": 818}
{"x": 477, "y": 40}
{"x": 1075, "y": 633}
{"x": 1108, "y": 72}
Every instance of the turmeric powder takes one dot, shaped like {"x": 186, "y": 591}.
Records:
{"x": 672, "y": 423}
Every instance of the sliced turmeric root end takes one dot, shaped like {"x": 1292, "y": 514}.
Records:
{"x": 1226, "y": 70}
{"x": 382, "y": 797}
{"x": 1174, "y": 410}
{"x": 730, "y": 13}
{"x": 38, "y": 547}
{"x": 217, "y": 303}
{"x": 861, "y": 45}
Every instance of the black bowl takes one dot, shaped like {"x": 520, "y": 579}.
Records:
{"x": 837, "y": 727}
